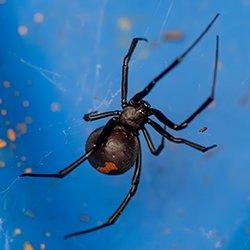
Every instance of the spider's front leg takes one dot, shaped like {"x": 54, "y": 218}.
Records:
{"x": 106, "y": 130}
{"x": 112, "y": 219}
{"x": 160, "y": 116}
{"x": 140, "y": 95}
{"x": 124, "y": 89}
{"x": 92, "y": 116}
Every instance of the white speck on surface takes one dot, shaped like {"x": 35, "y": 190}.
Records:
{"x": 218, "y": 244}
{"x": 38, "y": 17}
{"x": 22, "y": 30}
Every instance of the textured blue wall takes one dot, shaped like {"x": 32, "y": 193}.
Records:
{"x": 61, "y": 59}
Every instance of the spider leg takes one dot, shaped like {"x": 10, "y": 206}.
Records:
{"x": 92, "y": 116}
{"x": 154, "y": 151}
{"x": 109, "y": 126}
{"x": 140, "y": 95}
{"x": 168, "y": 136}
{"x": 125, "y": 69}
{"x": 162, "y": 118}
{"x": 159, "y": 115}
{"x": 117, "y": 213}
{"x": 63, "y": 172}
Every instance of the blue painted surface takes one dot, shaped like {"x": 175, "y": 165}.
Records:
{"x": 186, "y": 200}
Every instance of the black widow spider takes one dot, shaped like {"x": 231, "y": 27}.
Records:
{"x": 114, "y": 148}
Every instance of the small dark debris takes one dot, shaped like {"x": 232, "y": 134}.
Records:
{"x": 85, "y": 218}
{"x": 203, "y": 129}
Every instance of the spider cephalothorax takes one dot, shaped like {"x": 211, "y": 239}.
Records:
{"x": 135, "y": 115}
{"x": 115, "y": 148}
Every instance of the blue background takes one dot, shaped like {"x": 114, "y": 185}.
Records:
{"x": 186, "y": 199}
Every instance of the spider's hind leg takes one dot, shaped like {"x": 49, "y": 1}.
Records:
{"x": 63, "y": 172}
{"x": 117, "y": 213}
{"x": 106, "y": 130}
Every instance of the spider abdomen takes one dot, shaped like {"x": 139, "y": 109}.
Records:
{"x": 117, "y": 154}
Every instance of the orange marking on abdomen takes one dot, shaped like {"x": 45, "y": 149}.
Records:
{"x": 109, "y": 166}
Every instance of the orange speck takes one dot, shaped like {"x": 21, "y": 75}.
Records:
{"x": 11, "y": 134}
{"x": 17, "y": 231}
{"x": 38, "y": 17}
{"x": 2, "y": 164}
{"x": 22, "y": 30}
{"x": 28, "y": 170}
{"x": 55, "y": 107}
{"x": 42, "y": 246}
{"x": 3, "y": 143}
{"x": 124, "y": 24}
{"x": 174, "y": 35}
{"x": 109, "y": 166}
{"x": 22, "y": 128}
{"x": 27, "y": 246}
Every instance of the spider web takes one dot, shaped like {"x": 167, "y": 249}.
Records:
{"x": 58, "y": 80}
